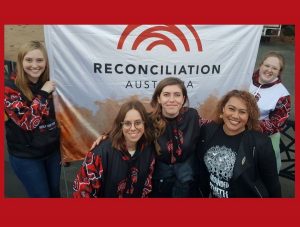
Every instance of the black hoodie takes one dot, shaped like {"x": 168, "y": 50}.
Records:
{"x": 31, "y": 128}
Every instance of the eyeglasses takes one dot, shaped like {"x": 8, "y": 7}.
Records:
{"x": 137, "y": 124}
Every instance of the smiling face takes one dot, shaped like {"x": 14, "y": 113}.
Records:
{"x": 171, "y": 100}
{"x": 133, "y": 128}
{"x": 235, "y": 116}
{"x": 269, "y": 70}
{"x": 34, "y": 64}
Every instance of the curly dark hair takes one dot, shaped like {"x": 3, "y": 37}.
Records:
{"x": 250, "y": 102}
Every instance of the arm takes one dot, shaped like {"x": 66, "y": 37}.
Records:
{"x": 204, "y": 187}
{"x": 148, "y": 184}
{"x": 203, "y": 121}
{"x": 27, "y": 116}
{"x": 277, "y": 117}
{"x": 102, "y": 137}
{"x": 268, "y": 170}
{"x": 89, "y": 178}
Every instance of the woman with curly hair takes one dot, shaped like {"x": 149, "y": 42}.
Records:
{"x": 236, "y": 159}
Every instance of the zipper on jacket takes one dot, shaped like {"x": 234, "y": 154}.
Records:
{"x": 257, "y": 191}
{"x": 257, "y": 90}
{"x": 253, "y": 151}
{"x": 200, "y": 191}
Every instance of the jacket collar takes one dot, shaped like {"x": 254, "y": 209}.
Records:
{"x": 244, "y": 158}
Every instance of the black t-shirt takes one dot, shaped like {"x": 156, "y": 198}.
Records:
{"x": 219, "y": 159}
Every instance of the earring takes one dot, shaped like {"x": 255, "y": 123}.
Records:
{"x": 221, "y": 115}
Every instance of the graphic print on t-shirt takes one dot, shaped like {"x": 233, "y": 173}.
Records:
{"x": 219, "y": 161}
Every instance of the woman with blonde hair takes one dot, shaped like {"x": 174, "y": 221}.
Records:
{"x": 32, "y": 132}
{"x": 272, "y": 97}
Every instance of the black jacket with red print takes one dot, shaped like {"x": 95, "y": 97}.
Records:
{"x": 111, "y": 173}
{"x": 178, "y": 146}
{"x": 31, "y": 128}
{"x": 179, "y": 140}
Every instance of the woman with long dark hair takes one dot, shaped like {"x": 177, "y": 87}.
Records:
{"x": 121, "y": 166}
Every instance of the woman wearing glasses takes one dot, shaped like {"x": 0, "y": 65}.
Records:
{"x": 176, "y": 130}
{"x": 273, "y": 99}
{"x": 121, "y": 166}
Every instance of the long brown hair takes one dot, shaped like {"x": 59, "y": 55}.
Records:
{"x": 22, "y": 81}
{"x": 157, "y": 118}
{"x": 250, "y": 102}
{"x": 116, "y": 133}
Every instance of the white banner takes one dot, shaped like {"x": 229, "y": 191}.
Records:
{"x": 97, "y": 67}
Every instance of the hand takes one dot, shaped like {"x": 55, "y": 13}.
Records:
{"x": 98, "y": 141}
{"x": 49, "y": 86}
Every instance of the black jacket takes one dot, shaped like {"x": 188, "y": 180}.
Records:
{"x": 31, "y": 127}
{"x": 178, "y": 147}
{"x": 254, "y": 173}
{"x": 109, "y": 173}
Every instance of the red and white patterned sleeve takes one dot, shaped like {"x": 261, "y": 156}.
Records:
{"x": 203, "y": 121}
{"x": 28, "y": 117}
{"x": 148, "y": 184}
{"x": 277, "y": 117}
{"x": 89, "y": 178}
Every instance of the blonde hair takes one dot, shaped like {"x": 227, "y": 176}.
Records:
{"x": 22, "y": 81}
{"x": 275, "y": 55}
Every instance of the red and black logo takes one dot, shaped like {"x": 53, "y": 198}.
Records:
{"x": 158, "y": 34}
